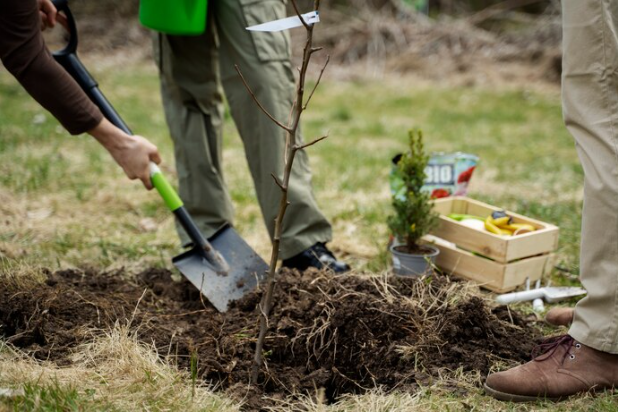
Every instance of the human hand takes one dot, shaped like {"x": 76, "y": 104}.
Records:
{"x": 50, "y": 16}
{"x": 132, "y": 153}
{"x": 134, "y": 156}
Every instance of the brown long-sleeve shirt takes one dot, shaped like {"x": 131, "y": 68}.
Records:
{"x": 24, "y": 54}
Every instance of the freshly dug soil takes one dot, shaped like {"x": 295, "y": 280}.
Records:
{"x": 345, "y": 334}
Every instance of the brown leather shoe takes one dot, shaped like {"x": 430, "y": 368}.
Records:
{"x": 560, "y": 316}
{"x": 567, "y": 368}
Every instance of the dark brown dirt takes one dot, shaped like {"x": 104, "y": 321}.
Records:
{"x": 339, "y": 333}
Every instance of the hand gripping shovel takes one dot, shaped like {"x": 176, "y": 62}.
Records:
{"x": 224, "y": 268}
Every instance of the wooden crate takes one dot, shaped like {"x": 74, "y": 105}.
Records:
{"x": 506, "y": 262}
{"x": 499, "y": 248}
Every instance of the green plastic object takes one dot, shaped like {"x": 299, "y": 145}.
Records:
{"x": 459, "y": 217}
{"x": 179, "y": 17}
{"x": 167, "y": 192}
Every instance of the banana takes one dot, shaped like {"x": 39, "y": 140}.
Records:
{"x": 517, "y": 226}
{"x": 501, "y": 221}
{"x": 492, "y": 228}
{"x": 513, "y": 227}
{"x": 507, "y": 232}
{"x": 504, "y": 223}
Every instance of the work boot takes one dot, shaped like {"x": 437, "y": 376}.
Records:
{"x": 560, "y": 316}
{"x": 317, "y": 256}
{"x": 566, "y": 368}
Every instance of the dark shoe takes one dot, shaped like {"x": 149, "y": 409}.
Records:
{"x": 317, "y": 256}
{"x": 567, "y": 368}
{"x": 560, "y": 316}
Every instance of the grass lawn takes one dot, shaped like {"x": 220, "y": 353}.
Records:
{"x": 64, "y": 203}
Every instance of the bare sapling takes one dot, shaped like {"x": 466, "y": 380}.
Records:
{"x": 292, "y": 146}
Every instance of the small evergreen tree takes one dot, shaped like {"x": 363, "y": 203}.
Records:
{"x": 414, "y": 216}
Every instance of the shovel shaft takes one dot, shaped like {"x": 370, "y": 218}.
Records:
{"x": 174, "y": 203}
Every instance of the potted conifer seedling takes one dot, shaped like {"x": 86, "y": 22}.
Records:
{"x": 414, "y": 215}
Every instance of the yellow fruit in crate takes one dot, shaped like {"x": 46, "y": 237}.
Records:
{"x": 492, "y": 228}
{"x": 501, "y": 221}
{"x": 519, "y": 228}
{"x": 526, "y": 226}
{"x": 507, "y": 232}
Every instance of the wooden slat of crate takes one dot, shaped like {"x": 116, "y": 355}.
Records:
{"x": 500, "y": 248}
{"x": 495, "y": 276}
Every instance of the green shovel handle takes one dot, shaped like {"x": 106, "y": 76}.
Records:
{"x": 167, "y": 192}
{"x": 173, "y": 203}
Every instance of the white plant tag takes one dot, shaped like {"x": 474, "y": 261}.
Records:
{"x": 288, "y": 23}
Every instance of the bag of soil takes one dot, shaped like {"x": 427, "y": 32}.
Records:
{"x": 446, "y": 174}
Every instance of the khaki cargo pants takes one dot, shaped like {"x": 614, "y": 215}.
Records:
{"x": 590, "y": 105}
{"x": 195, "y": 71}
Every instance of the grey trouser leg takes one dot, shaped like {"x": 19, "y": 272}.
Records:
{"x": 590, "y": 104}
{"x": 193, "y": 71}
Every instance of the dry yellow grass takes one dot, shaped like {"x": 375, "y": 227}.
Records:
{"x": 118, "y": 370}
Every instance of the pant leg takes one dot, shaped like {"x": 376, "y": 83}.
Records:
{"x": 193, "y": 105}
{"x": 264, "y": 59}
{"x": 590, "y": 105}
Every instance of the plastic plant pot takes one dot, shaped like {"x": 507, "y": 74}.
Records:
{"x": 413, "y": 265}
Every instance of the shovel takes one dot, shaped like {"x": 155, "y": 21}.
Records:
{"x": 224, "y": 268}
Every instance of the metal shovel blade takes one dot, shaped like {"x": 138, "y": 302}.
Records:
{"x": 247, "y": 269}
{"x": 554, "y": 294}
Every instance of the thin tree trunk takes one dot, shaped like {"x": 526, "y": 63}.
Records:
{"x": 291, "y": 147}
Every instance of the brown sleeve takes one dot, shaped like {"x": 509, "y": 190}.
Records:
{"x": 24, "y": 54}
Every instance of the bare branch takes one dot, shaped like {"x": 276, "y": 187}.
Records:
{"x": 277, "y": 182}
{"x": 291, "y": 147}
{"x": 299, "y": 15}
{"x": 304, "y": 146}
{"x": 317, "y": 82}
{"x": 255, "y": 99}
{"x": 316, "y": 49}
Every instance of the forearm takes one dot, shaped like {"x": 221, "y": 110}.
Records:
{"x": 23, "y": 53}
{"x": 132, "y": 153}
{"x": 109, "y": 136}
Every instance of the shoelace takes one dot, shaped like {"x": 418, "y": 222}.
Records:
{"x": 550, "y": 345}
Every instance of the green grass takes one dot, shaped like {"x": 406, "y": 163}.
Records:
{"x": 528, "y": 162}
{"x": 56, "y": 397}
{"x": 63, "y": 201}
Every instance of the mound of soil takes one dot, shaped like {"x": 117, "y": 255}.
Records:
{"x": 344, "y": 334}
